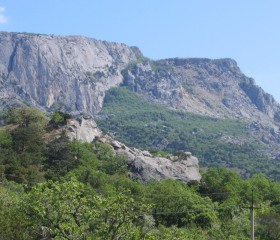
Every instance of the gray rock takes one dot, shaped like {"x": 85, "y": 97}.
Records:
{"x": 84, "y": 130}
{"x": 74, "y": 72}
{"x": 158, "y": 168}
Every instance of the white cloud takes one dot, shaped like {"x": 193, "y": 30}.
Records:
{"x": 3, "y": 18}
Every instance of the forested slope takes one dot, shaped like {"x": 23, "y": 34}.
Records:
{"x": 54, "y": 188}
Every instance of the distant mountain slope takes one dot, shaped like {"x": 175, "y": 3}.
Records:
{"x": 74, "y": 73}
{"x": 215, "y": 88}
{"x": 209, "y": 87}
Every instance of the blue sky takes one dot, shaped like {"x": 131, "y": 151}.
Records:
{"x": 245, "y": 30}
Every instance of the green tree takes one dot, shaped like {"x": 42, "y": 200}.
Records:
{"x": 5, "y": 149}
{"x": 122, "y": 217}
{"x": 164, "y": 233}
{"x": 71, "y": 210}
{"x": 13, "y": 224}
{"x": 23, "y": 117}
{"x": 58, "y": 118}
{"x": 221, "y": 184}
{"x": 59, "y": 159}
{"x": 268, "y": 225}
{"x": 64, "y": 209}
{"x": 179, "y": 205}
{"x": 109, "y": 162}
{"x": 22, "y": 148}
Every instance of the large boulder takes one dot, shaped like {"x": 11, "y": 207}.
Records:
{"x": 147, "y": 168}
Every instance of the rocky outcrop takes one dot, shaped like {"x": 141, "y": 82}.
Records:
{"x": 142, "y": 164}
{"x": 84, "y": 130}
{"x": 146, "y": 168}
{"x": 263, "y": 101}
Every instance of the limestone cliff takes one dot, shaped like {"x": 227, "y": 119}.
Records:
{"x": 53, "y": 71}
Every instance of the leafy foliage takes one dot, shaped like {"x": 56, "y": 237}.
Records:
{"x": 187, "y": 210}
{"x": 26, "y": 116}
{"x": 70, "y": 210}
{"x": 13, "y": 224}
{"x": 108, "y": 161}
{"x": 58, "y": 118}
{"x": 90, "y": 196}
{"x": 22, "y": 147}
{"x": 59, "y": 159}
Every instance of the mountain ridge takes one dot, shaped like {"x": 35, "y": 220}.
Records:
{"x": 90, "y": 67}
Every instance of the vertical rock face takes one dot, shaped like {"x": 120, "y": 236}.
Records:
{"x": 263, "y": 101}
{"x": 52, "y": 71}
